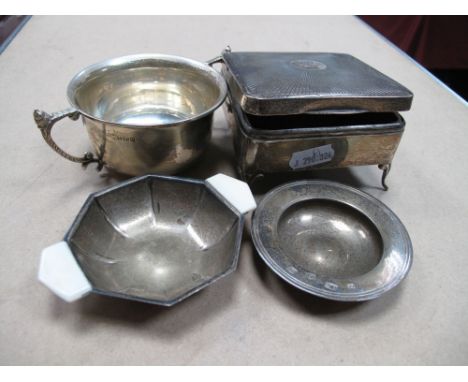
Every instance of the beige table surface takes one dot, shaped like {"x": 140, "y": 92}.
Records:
{"x": 249, "y": 317}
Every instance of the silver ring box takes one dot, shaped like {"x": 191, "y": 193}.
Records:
{"x": 302, "y": 111}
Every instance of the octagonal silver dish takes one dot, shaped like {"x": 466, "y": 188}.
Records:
{"x": 154, "y": 239}
{"x": 331, "y": 240}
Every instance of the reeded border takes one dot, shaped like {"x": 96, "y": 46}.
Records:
{"x": 390, "y": 222}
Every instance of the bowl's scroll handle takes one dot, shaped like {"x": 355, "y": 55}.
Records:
{"x": 46, "y": 121}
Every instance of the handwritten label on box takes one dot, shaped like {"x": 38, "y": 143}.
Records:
{"x": 312, "y": 157}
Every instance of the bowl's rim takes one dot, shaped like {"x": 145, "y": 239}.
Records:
{"x": 391, "y": 220}
{"x": 82, "y": 75}
{"x": 236, "y": 249}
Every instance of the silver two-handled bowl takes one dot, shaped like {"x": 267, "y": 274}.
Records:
{"x": 143, "y": 113}
{"x": 155, "y": 239}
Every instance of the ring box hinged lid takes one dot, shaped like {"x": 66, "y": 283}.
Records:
{"x": 268, "y": 83}
{"x": 300, "y": 111}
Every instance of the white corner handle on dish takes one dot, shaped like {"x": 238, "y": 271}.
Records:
{"x": 235, "y": 191}
{"x": 60, "y": 272}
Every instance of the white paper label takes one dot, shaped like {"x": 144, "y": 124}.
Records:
{"x": 311, "y": 157}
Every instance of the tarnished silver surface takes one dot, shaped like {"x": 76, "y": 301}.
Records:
{"x": 331, "y": 240}
{"x": 155, "y": 239}
{"x": 268, "y": 144}
{"x": 145, "y": 113}
{"x": 273, "y": 83}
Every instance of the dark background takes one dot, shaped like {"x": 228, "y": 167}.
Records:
{"x": 439, "y": 43}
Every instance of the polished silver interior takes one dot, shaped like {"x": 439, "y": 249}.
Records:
{"x": 156, "y": 239}
{"x": 147, "y": 90}
{"x": 329, "y": 238}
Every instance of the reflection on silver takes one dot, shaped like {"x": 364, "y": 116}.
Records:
{"x": 157, "y": 88}
{"x": 306, "y": 218}
{"x": 145, "y": 113}
{"x": 342, "y": 226}
{"x": 355, "y": 246}
{"x": 161, "y": 259}
{"x": 196, "y": 237}
{"x": 137, "y": 225}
